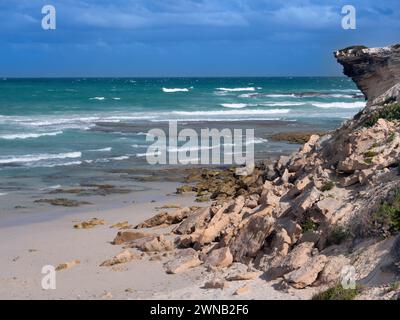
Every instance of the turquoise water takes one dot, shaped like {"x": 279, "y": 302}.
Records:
{"x": 61, "y": 126}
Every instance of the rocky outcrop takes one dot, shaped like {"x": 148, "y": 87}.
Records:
{"x": 297, "y": 218}
{"x": 376, "y": 71}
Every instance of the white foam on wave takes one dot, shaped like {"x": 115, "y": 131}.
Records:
{"x": 116, "y": 98}
{"x": 230, "y": 112}
{"x": 64, "y": 164}
{"x": 101, "y": 150}
{"x": 3, "y": 194}
{"x": 140, "y": 155}
{"x": 236, "y": 89}
{"x": 173, "y": 90}
{"x": 282, "y": 104}
{"x": 38, "y": 157}
{"x": 98, "y": 98}
{"x": 235, "y": 105}
{"x": 23, "y": 136}
{"x": 340, "y": 105}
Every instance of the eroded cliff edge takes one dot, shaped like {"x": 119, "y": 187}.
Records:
{"x": 305, "y": 218}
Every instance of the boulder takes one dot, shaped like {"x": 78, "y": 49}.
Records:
{"x": 216, "y": 284}
{"x": 67, "y": 265}
{"x": 251, "y": 237}
{"x": 242, "y": 290}
{"x": 194, "y": 221}
{"x": 126, "y": 236}
{"x": 158, "y": 244}
{"x": 307, "y": 273}
{"x": 332, "y": 270}
{"x": 219, "y": 258}
{"x": 182, "y": 264}
{"x": 165, "y": 218}
{"x": 298, "y": 257}
{"x": 305, "y": 200}
{"x": 243, "y": 276}
{"x": 122, "y": 257}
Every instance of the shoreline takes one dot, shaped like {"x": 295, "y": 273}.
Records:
{"x": 55, "y": 241}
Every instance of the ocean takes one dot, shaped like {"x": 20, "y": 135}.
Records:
{"x": 60, "y": 132}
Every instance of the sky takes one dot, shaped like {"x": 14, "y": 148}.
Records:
{"x": 161, "y": 38}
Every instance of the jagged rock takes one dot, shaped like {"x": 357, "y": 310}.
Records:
{"x": 294, "y": 260}
{"x": 307, "y": 273}
{"x": 243, "y": 276}
{"x": 269, "y": 198}
{"x": 374, "y": 70}
{"x": 242, "y": 290}
{"x": 282, "y": 163}
{"x": 158, "y": 244}
{"x": 67, "y": 265}
{"x": 292, "y": 228}
{"x": 90, "y": 224}
{"x": 125, "y": 236}
{"x": 281, "y": 242}
{"x": 220, "y": 258}
{"x": 216, "y": 284}
{"x": 182, "y": 264}
{"x": 251, "y": 237}
{"x": 305, "y": 200}
{"x": 307, "y": 147}
{"x": 310, "y": 236}
{"x": 122, "y": 257}
{"x": 365, "y": 175}
{"x": 349, "y": 181}
{"x": 325, "y": 209}
{"x": 194, "y": 221}
{"x": 252, "y": 201}
{"x": 165, "y": 218}
{"x": 332, "y": 270}
{"x": 353, "y": 163}
{"x": 299, "y": 186}
{"x": 121, "y": 225}
{"x": 221, "y": 220}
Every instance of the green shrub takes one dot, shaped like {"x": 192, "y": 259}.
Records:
{"x": 389, "y": 112}
{"x": 369, "y": 154}
{"x": 309, "y": 225}
{"x": 391, "y": 137}
{"x": 338, "y": 235}
{"x": 337, "y": 293}
{"x": 327, "y": 186}
{"x": 357, "y": 48}
{"x": 386, "y": 220}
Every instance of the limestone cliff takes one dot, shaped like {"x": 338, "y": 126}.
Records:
{"x": 376, "y": 71}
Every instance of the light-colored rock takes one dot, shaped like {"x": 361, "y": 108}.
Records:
{"x": 126, "y": 236}
{"x": 305, "y": 200}
{"x": 307, "y": 273}
{"x": 182, "y": 264}
{"x": 165, "y": 218}
{"x": 243, "y": 276}
{"x": 216, "y": 284}
{"x": 90, "y": 223}
{"x": 251, "y": 237}
{"x": 194, "y": 221}
{"x": 242, "y": 290}
{"x": 122, "y": 257}
{"x": 332, "y": 270}
{"x": 220, "y": 258}
{"x": 67, "y": 265}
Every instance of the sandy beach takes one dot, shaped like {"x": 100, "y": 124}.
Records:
{"x": 28, "y": 246}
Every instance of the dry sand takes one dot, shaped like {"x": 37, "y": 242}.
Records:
{"x": 26, "y": 248}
